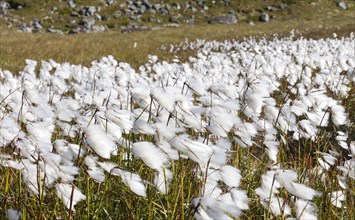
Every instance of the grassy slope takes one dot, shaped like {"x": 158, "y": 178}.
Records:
{"x": 313, "y": 20}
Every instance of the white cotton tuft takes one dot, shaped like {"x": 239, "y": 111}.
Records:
{"x": 143, "y": 127}
{"x": 151, "y": 155}
{"x": 166, "y": 98}
{"x": 121, "y": 118}
{"x": 230, "y": 175}
{"x": 132, "y": 180}
{"x": 338, "y": 115}
{"x": 352, "y": 148}
{"x": 98, "y": 140}
{"x": 337, "y": 198}
{"x": 305, "y": 210}
{"x": 168, "y": 150}
{"x": 287, "y": 178}
{"x": 94, "y": 172}
{"x": 13, "y": 214}
{"x": 69, "y": 192}
{"x": 196, "y": 151}
{"x": 162, "y": 179}
{"x": 254, "y": 101}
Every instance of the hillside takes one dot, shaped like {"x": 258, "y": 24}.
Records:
{"x": 100, "y": 27}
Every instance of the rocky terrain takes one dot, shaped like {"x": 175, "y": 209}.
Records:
{"x": 74, "y": 16}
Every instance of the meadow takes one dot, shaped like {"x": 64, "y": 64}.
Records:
{"x": 196, "y": 122}
{"x": 257, "y": 129}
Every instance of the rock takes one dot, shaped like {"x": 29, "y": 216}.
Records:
{"x": 135, "y": 29}
{"x": 177, "y": 6}
{"x": 110, "y": 2}
{"x": 342, "y": 5}
{"x": 283, "y": 6}
{"x": 36, "y": 24}
{"x": 174, "y": 20}
{"x": 264, "y": 17}
{"x": 226, "y": 2}
{"x": 87, "y": 22}
{"x": 71, "y": 4}
{"x": 271, "y": 8}
{"x": 98, "y": 28}
{"x": 3, "y": 7}
{"x": 156, "y": 7}
{"x": 147, "y": 5}
{"x": 54, "y": 31}
{"x": 142, "y": 9}
{"x": 224, "y": 19}
{"x": 88, "y": 11}
{"x": 117, "y": 14}
{"x": 76, "y": 30}
{"x": 190, "y": 20}
{"x": 24, "y": 28}
{"x": 135, "y": 17}
{"x": 98, "y": 17}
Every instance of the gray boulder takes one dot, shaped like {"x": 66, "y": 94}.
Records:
{"x": 264, "y": 17}
{"x": 24, "y": 28}
{"x": 36, "y": 24}
{"x": 342, "y": 5}
{"x": 174, "y": 20}
{"x": 110, "y": 2}
{"x": 3, "y": 7}
{"x": 87, "y": 22}
{"x": 156, "y": 7}
{"x": 71, "y": 4}
{"x": 98, "y": 28}
{"x": 88, "y": 11}
{"x": 224, "y": 19}
{"x": 54, "y": 31}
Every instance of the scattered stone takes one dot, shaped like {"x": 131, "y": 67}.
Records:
{"x": 88, "y": 11}
{"x": 264, "y": 17}
{"x": 177, "y": 6}
{"x": 98, "y": 17}
{"x": 251, "y": 23}
{"x": 271, "y": 8}
{"x": 342, "y": 5}
{"x": 98, "y": 28}
{"x": 156, "y": 7}
{"x": 174, "y": 20}
{"x": 110, "y": 2}
{"x": 224, "y": 19}
{"x": 190, "y": 20}
{"x": 36, "y": 24}
{"x": 117, "y": 14}
{"x": 135, "y": 17}
{"x": 24, "y": 28}
{"x": 87, "y": 22}
{"x": 76, "y": 30}
{"x": 135, "y": 29}
{"x": 283, "y": 6}
{"x": 3, "y": 7}
{"x": 71, "y": 4}
{"x": 54, "y": 31}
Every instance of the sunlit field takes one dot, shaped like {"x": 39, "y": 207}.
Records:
{"x": 253, "y": 129}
